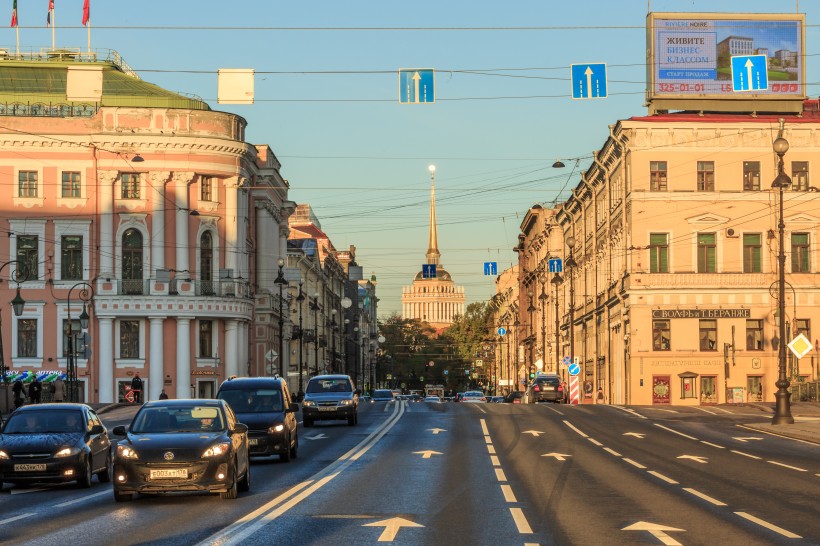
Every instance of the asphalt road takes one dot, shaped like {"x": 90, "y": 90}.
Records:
{"x": 416, "y": 473}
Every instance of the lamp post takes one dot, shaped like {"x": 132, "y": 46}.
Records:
{"x": 511, "y": 359}
{"x": 300, "y": 298}
{"x": 358, "y": 354}
{"x": 280, "y": 280}
{"x": 17, "y": 305}
{"x": 333, "y": 340}
{"x": 570, "y": 263}
{"x": 85, "y": 295}
{"x": 542, "y": 297}
{"x": 782, "y": 409}
{"x": 531, "y": 330}
{"x": 314, "y": 306}
{"x": 346, "y": 304}
{"x": 557, "y": 281}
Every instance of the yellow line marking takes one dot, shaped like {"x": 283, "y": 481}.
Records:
{"x": 499, "y": 475}
{"x": 509, "y": 496}
{"x": 767, "y": 525}
{"x": 520, "y": 521}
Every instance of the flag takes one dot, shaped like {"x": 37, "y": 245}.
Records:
{"x": 14, "y": 14}
{"x": 86, "y": 12}
{"x": 50, "y": 9}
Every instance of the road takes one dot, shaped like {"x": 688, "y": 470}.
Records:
{"x": 421, "y": 474}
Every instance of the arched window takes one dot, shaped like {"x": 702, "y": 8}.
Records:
{"x": 132, "y": 262}
{"x": 206, "y": 264}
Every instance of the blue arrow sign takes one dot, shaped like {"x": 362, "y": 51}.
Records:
{"x": 588, "y": 81}
{"x": 416, "y": 85}
{"x": 501, "y": 331}
{"x": 490, "y": 268}
{"x": 556, "y": 265}
{"x": 750, "y": 73}
{"x": 428, "y": 271}
{"x": 574, "y": 369}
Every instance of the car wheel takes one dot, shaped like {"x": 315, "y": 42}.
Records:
{"x": 84, "y": 480}
{"x": 295, "y": 448}
{"x": 285, "y": 456}
{"x": 104, "y": 475}
{"x": 308, "y": 422}
{"x": 122, "y": 497}
{"x": 245, "y": 482}
{"x": 351, "y": 420}
{"x": 233, "y": 490}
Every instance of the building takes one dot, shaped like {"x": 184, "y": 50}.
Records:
{"x": 507, "y": 367}
{"x": 434, "y": 299}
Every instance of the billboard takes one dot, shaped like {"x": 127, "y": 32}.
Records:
{"x": 690, "y": 54}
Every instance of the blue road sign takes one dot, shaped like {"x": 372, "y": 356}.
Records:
{"x": 574, "y": 369}
{"x": 417, "y": 85}
{"x": 501, "y": 330}
{"x": 490, "y": 268}
{"x": 428, "y": 271}
{"x": 556, "y": 265}
{"x": 750, "y": 73}
{"x": 588, "y": 81}
{"x": 566, "y": 361}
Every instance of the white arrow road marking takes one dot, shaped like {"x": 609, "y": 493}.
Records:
{"x": 635, "y": 434}
{"x": 535, "y": 433}
{"x": 558, "y": 456}
{"x": 316, "y": 437}
{"x": 427, "y": 454}
{"x": 700, "y": 459}
{"x": 391, "y": 527}
{"x": 657, "y": 531}
{"x": 745, "y": 439}
{"x": 437, "y": 430}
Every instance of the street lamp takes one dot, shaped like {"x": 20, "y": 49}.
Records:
{"x": 280, "y": 280}
{"x": 333, "y": 340}
{"x": 17, "y": 305}
{"x": 346, "y": 304}
{"x": 85, "y": 295}
{"x": 300, "y": 298}
{"x": 358, "y": 354}
{"x": 542, "y": 297}
{"x": 570, "y": 263}
{"x": 557, "y": 281}
{"x": 314, "y": 306}
{"x": 782, "y": 410}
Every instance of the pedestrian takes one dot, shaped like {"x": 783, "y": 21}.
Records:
{"x": 58, "y": 389}
{"x": 35, "y": 390}
{"x": 136, "y": 387}
{"x": 163, "y": 395}
{"x": 19, "y": 393}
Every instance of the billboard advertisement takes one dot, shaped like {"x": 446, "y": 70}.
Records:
{"x": 690, "y": 54}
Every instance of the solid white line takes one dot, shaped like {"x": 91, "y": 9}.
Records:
{"x": 478, "y": 407}
{"x": 596, "y": 442}
{"x": 745, "y": 454}
{"x": 711, "y": 444}
{"x": 788, "y": 466}
{"x": 767, "y": 525}
{"x": 705, "y": 497}
{"x": 81, "y": 499}
{"x": 675, "y": 431}
{"x": 499, "y": 475}
{"x": 610, "y": 450}
{"x": 724, "y": 410}
{"x": 570, "y": 425}
{"x": 494, "y": 461}
{"x": 664, "y": 478}
{"x": 509, "y": 496}
{"x": 634, "y": 463}
{"x": 520, "y": 521}
{"x": 15, "y": 518}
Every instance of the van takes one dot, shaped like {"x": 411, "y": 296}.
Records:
{"x": 264, "y": 405}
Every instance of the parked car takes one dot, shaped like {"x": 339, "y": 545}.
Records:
{"x": 264, "y": 405}
{"x": 495, "y": 399}
{"x": 54, "y": 443}
{"x": 330, "y": 397}
{"x": 546, "y": 388}
{"x": 514, "y": 397}
{"x": 182, "y": 445}
{"x": 473, "y": 397}
{"x": 383, "y": 395}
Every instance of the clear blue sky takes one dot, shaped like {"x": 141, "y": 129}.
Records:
{"x": 327, "y": 104}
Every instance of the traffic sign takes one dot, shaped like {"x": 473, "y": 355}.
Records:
{"x": 501, "y": 331}
{"x": 800, "y": 346}
{"x": 490, "y": 268}
{"x": 271, "y": 355}
{"x": 556, "y": 265}
{"x": 588, "y": 80}
{"x": 750, "y": 73}
{"x": 428, "y": 271}
{"x": 566, "y": 361}
{"x": 574, "y": 369}
{"x": 416, "y": 85}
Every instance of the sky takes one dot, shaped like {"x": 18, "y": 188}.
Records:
{"x": 327, "y": 103}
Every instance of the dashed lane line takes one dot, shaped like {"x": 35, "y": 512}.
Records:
{"x": 612, "y": 451}
{"x": 636, "y": 464}
{"x": 81, "y": 499}
{"x": 521, "y": 521}
{"x": 746, "y": 454}
{"x": 788, "y": 466}
{"x": 509, "y": 496}
{"x": 767, "y": 525}
{"x": 704, "y": 496}
{"x": 675, "y": 432}
{"x": 711, "y": 444}
{"x": 662, "y": 477}
{"x": 15, "y": 518}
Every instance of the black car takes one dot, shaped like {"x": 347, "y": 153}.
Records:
{"x": 264, "y": 404}
{"x": 330, "y": 397}
{"x": 54, "y": 443}
{"x": 182, "y": 445}
{"x": 546, "y": 388}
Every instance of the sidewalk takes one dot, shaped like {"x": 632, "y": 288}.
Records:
{"x": 806, "y": 425}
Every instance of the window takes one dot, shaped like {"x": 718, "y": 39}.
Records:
{"x": 71, "y": 264}
{"x": 802, "y": 326}
{"x": 659, "y": 253}
{"x": 754, "y": 386}
{"x": 707, "y": 251}
{"x": 657, "y": 176}
{"x": 754, "y": 335}
{"x": 206, "y": 264}
{"x": 206, "y": 332}
{"x": 706, "y": 176}
{"x": 206, "y": 188}
{"x": 27, "y": 186}
{"x": 800, "y": 175}
{"x": 708, "y": 389}
{"x": 27, "y": 338}
{"x": 751, "y": 176}
{"x": 661, "y": 335}
{"x": 130, "y": 185}
{"x": 708, "y": 334}
{"x": 71, "y": 184}
{"x": 800, "y": 252}
{"x": 76, "y": 328}
{"x": 132, "y": 262}
{"x": 751, "y": 252}
{"x": 28, "y": 256}
{"x": 129, "y": 339}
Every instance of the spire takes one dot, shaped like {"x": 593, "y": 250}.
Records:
{"x": 432, "y": 246}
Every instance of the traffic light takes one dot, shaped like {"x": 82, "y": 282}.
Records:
{"x": 532, "y": 375}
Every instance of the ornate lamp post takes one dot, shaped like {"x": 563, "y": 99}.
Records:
{"x": 300, "y": 298}
{"x": 557, "y": 281}
{"x": 280, "y": 280}
{"x": 571, "y": 264}
{"x": 333, "y": 340}
{"x": 542, "y": 297}
{"x": 346, "y": 304}
{"x": 85, "y": 295}
{"x": 314, "y": 306}
{"x": 782, "y": 409}
{"x": 17, "y": 305}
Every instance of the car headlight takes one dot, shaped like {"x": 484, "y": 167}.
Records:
{"x": 217, "y": 450}
{"x": 67, "y": 452}
{"x": 346, "y": 403}
{"x": 4, "y": 455}
{"x": 308, "y": 403}
{"x": 126, "y": 452}
{"x": 276, "y": 428}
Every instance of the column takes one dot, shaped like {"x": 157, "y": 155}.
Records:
{"x": 183, "y": 357}
{"x": 105, "y": 361}
{"x": 156, "y": 364}
{"x": 158, "y": 205}
{"x": 181, "y": 202}
{"x": 106, "y": 180}
{"x": 231, "y": 220}
{"x": 231, "y": 348}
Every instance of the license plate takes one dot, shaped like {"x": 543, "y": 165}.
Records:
{"x": 29, "y": 467}
{"x": 175, "y": 473}
{"x": 327, "y": 409}
{"x": 253, "y": 441}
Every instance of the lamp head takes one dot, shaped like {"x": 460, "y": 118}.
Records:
{"x": 432, "y": 169}
{"x": 780, "y": 146}
{"x": 558, "y": 164}
{"x": 280, "y": 262}
{"x": 18, "y": 303}
{"x": 570, "y": 242}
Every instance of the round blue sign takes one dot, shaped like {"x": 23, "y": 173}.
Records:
{"x": 502, "y": 331}
{"x": 574, "y": 369}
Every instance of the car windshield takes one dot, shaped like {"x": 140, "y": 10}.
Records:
{"x": 253, "y": 400}
{"x": 318, "y": 386}
{"x": 548, "y": 381}
{"x": 383, "y": 394}
{"x": 44, "y": 422}
{"x": 178, "y": 419}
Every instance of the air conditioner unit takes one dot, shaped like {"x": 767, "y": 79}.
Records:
{"x": 731, "y": 232}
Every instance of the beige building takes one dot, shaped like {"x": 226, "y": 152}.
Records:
{"x": 673, "y": 232}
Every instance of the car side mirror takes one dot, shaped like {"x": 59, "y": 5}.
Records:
{"x": 239, "y": 428}
{"x": 97, "y": 429}
{"x": 119, "y": 430}
{"x": 293, "y": 407}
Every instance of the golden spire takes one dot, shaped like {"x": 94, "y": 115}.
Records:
{"x": 432, "y": 246}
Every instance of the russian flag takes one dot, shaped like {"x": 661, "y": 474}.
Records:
{"x": 50, "y": 9}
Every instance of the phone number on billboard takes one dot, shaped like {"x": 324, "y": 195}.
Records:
{"x": 721, "y": 89}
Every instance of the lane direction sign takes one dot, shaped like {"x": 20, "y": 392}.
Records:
{"x": 491, "y": 268}
{"x": 417, "y": 85}
{"x": 501, "y": 331}
{"x": 574, "y": 369}
{"x": 639, "y": 435}
{"x": 750, "y": 73}
{"x": 427, "y": 454}
{"x": 535, "y": 433}
{"x": 391, "y": 527}
{"x": 428, "y": 271}
{"x": 437, "y": 430}
{"x": 558, "y": 456}
{"x": 656, "y": 530}
{"x": 555, "y": 265}
{"x": 588, "y": 80}
{"x": 697, "y": 458}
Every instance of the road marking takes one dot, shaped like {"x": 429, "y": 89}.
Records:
{"x": 478, "y": 407}
{"x": 499, "y": 475}
{"x": 657, "y": 531}
{"x": 437, "y": 430}
{"x": 724, "y": 410}
{"x": 788, "y": 466}
{"x": 666, "y": 410}
{"x": 521, "y": 521}
{"x": 711, "y": 444}
{"x": 535, "y": 433}
{"x": 570, "y": 425}
{"x": 391, "y": 527}
{"x": 704, "y": 496}
{"x": 745, "y": 454}
{"x": 81, "y": 499}
{"x": 15, "y": 518}
{"x": 639, "y": 435}
{"x": 675, "y": 431}
{"x": 487, "y": 440}
{"x": 427, "y": 454}
{"x": 484, "y": 428}
{"x": 745, "y": 439}
{"x": 634, "y": 463}
{"x": 706, "y": 411}
{"x": 316, "y": 437}
{"x": 558, "y": 456}
{"x": 612, "y": 451}
{"x": 698, "y": 458}
{"x": 664, "y": 478}
{"x": 494, "y": 461}
{"x": 16, "y": 491}
{"x": 490, "y": 449}
{"x": 596, "y": 442}
{"x": 767, "y": 525}
{"x": 779, "y": 435}
{"x": 631, "y": 411}
{"x": 509, "y": 496}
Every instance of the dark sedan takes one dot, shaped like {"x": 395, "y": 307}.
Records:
{"x": 182, "y": 445}
{"x": 54, "y": 443}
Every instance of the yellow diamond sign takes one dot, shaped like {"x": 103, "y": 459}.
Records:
{"x": 800, "y": 346}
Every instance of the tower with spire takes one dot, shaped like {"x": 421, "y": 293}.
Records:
{"x": 436, "y": 300}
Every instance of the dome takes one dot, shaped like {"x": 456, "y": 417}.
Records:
{"x": 441, "y": 274}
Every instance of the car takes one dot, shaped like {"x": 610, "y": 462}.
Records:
{"x": 182, "y": 445}
{"x": 473, "y": 397}
{"x": 415, "y": 397}
{"x": 264, "y": 405}
{"x": 330, "y": 397}
{"x": 432, "y": 399}
{"x": 495, "y": 399}
{"x": 54, "y": 443}
{"x": 514, "y": 397}
{"x": 366, "y": 399}
{"x": 383, "y": 395}
{"x": 546, "y": 388}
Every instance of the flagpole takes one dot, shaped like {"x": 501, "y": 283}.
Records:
{"x": 53, "y": 29}
{"x": 88, "y": 26}
{"x": 17, "y": 32}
